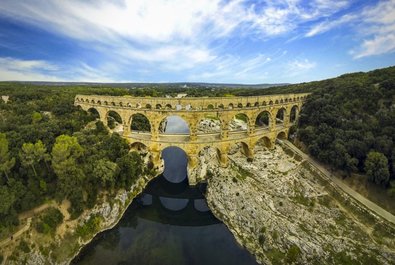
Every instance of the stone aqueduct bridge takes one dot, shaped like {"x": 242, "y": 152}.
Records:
{"x": 282, "y": 111}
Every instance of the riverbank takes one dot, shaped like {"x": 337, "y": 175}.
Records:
{"x": 71, "y": 235}
{"x": 282, "y": 212}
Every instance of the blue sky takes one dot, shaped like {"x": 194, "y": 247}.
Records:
{"x": 241, "y": 41}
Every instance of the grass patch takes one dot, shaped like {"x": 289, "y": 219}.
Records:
{"x": 293, "y": 254}
{"x": 24, "y": 247}
{"x": 90, "y": 227}
{"x": 275, "y": 256}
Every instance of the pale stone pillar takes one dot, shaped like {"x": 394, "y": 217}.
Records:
{"x": 223, "y": 160}
{"x": 193, "y": 161}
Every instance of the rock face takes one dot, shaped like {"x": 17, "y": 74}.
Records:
{"x": 277, "y": 209}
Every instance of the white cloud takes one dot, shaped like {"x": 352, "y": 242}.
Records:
{"x": 301, "y": 65}
{"x": 329, "y": 24}
{"x": 18, "y": 70}
{"x": 178, "y": 34}
{"x": 378, "y": 30}
{"x": 12, "y": 69}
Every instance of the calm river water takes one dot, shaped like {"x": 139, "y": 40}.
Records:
{"x": 169, "y": 224}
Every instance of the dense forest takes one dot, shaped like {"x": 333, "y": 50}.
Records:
{"x": 349, "y": 123}
{"x": 50, "y": 149}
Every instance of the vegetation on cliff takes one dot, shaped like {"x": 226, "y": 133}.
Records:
{"x": 50, "y": 149}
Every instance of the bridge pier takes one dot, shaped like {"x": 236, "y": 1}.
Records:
{"x": 193, "y": 161}
{"x": 223, "y": 159}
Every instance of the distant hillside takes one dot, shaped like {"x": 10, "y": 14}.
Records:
{"x": 167, "y": 85}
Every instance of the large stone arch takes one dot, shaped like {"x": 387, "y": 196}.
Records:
{"x": 139, "y": 122}
{"x": 264, "y": 141}
{"x": 293, "y": 114}
{"x": 94, "y": 112}
{"x": 239, "y": 122}
{"x": 177, "y": 118}
{"x": 263, "y": 119}
{"x": 138, "y": 146}
{"x": 208, "y": 124}
{"x": 282, "y": 135}
{"x": 281, "y": 115}
{"x": 114, "y": 119}
{"x": 241, "y": 146}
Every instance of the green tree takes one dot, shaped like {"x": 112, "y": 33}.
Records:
{"x": 65, "y": 153}
{"x": 376, "y": 167}
{"x": 6, "y": 163}
{"x": 105, "y": 171}
{"x": 36, "y": 117}
{"x": 31, "y": 154}
{"x": 7, "y": 199}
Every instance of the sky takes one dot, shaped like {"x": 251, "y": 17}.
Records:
{"x": 240, "y": 41}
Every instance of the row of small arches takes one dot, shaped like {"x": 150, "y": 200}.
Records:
{"x": 189, "y": 106}
{"x": 140, "y": 122}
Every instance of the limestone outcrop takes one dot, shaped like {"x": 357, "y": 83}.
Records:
{"x": 279, "y": 211}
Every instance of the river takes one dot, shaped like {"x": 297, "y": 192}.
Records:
{"x": 168, "y": 224}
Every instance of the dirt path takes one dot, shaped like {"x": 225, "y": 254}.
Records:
{"x": 28, "y": 215}
{"x": 17, "y": 234}
{"x": 367, "y": 203}
{"x": 36, "y": 210}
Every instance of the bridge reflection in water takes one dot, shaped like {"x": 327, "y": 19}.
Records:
{"x": 169, "y": 224}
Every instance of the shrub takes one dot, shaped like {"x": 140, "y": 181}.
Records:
{"x": 50, "y": 221}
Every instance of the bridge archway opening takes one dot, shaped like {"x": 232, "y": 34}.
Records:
{"x": 140, "y": 123}
{"x": 209, "y": 124}
{"x": 282, "y": 136}
{"x": 94, "y": 113}
{"x": 239, "y": 122}
{"x": 263, "y": 144}
{"x": 174, "y": 125}
{"x": 139, "y": 147}
{"x": 176, "y": 163}
{"x": 241, "y": 147}
{"x": 210, "y": 106}
{"x": 293, "y": 114}
{"x": 158, "y": 106}
{"x": 168, "y": 106}
{"x": 114, "y": 121}
{"x": 263, "y": 120}
{"x": 209, "y": 153}
{"x": 280, "y": 116}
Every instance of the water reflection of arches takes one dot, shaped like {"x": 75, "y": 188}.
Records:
{"x": 176, "y": 204}
{"x": 188, "y": 216}
{"x": 175, "y": 159}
